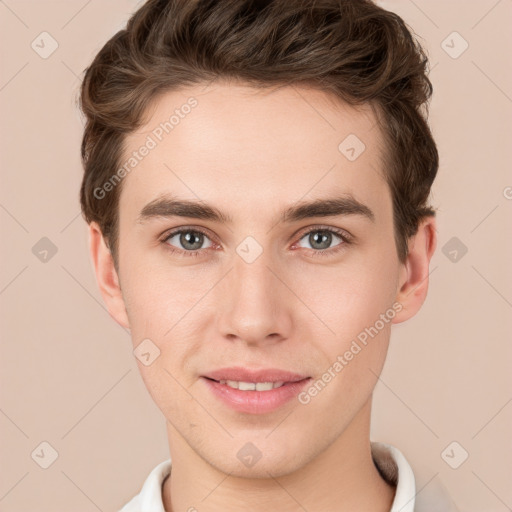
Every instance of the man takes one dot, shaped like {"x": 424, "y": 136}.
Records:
{"x": 256, "y": 185}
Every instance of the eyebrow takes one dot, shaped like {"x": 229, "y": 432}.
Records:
{"x": 168, "y": 206}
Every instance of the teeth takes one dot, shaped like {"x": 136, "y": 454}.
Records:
{"x": 245, "y": 386}
{"x": 252, "y": 386}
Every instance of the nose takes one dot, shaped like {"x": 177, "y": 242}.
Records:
{"x": 254, "y": 303}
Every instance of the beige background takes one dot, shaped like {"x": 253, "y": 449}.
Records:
{"x": 68, "y": 376}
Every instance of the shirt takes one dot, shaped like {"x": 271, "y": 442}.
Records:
{"x": 390, "y": 462}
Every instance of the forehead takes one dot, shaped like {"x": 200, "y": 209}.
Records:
{"x": 249, "y": 148}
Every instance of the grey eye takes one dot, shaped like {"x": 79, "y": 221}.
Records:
{"x": 320, "y": 239}
{"x": 188, "y": 240}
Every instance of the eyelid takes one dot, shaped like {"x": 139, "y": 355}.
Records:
{"x": 171, "y": 232}
{"x": 344, "y": 234}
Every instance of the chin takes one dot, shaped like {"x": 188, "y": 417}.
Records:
{"x": 265, "y": 468}
{"x": 260, "y": 458}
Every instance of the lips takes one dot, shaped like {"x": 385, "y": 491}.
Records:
{"x": 254, "y": 391}
{"x": 240, "y": 374}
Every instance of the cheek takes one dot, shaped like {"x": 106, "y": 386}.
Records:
{"x": 166, "y": 310}
{"x": 346, "y": 298}
{"x": 158, "y": 296}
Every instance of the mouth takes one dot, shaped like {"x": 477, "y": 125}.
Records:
{"x": 239, "y": 374}
{"x": 251, "y": 386}
{"x": 254, "y": 391}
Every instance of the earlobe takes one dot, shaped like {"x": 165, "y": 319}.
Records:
{"x": 414, "y": 275}
{"x": 106, "y": 276}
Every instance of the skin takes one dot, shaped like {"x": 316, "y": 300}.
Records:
{"x": 252, "y": 153}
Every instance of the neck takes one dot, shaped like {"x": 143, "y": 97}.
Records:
{"x": 342, "y": 478}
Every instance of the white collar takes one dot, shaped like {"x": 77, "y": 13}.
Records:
{"x": 390, "y": 462}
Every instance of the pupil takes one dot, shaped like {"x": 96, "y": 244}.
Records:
{"x": 323, "y": 237}
{"x": 187, "y": 239}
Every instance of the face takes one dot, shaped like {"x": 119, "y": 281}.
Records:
{"x": 255, "y": 287}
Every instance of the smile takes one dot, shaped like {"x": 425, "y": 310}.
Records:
{"x": 252, "y": 386}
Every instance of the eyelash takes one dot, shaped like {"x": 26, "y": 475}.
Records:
{"x": 345, "y": 237}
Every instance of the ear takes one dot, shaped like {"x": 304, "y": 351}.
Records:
{"x": 413, "y": 281}
{"x": 106, "y": 276}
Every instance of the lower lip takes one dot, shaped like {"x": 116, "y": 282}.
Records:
{"x": 256, "y": 402}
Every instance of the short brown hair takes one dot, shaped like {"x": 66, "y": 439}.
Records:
{"x": 352, "y": 48}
